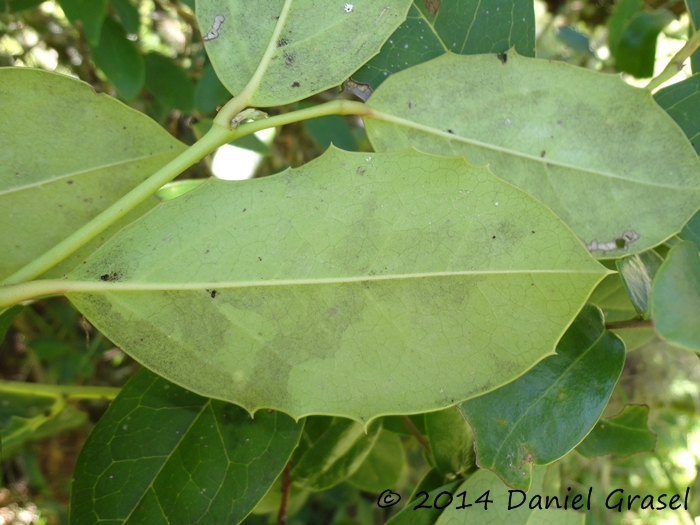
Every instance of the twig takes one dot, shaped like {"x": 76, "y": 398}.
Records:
{"x": 412, "y": 428}
{"x": 282, "y": 515}
{"x": 630, "y": 323}
{"x": 676, "y": 63}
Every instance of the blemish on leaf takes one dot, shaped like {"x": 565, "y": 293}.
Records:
{"x": 450, "y": 131}
{"x": 360, "y": 170}
{"x": 214, "y": 31}
{"x": 348, "y": 8}
{"x": 282, "y": 42}
{"x": 289, "y": 58}
{"x": 542, "y": 153}
{"x": 361, "y": 90}
{"x": 618, "y": 243}
{"x": 295, "y": 84}
{"x": 432, "y": 6}
{"x": 109, "y": 276}
{"x": 332, "y": 312}
{"x": 503, "y": 57}
{"x": 69, "y": 181}
{"x": 410, "y": 105}
{"x": 212, "y": 294}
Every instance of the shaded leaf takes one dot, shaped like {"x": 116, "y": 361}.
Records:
{"x": 623, "y": 13}
{"x": 383, "y": 465}
{"x": 691, "y": 231}
{"x": 433, "y": 479}
{"x": 128, "y": 15}
{"x": 336, "y": 455}
{"x": 675, "y": 297}
{"x": 331, "y": 129}
{"x": 119, "y": 59}
{"x": 408, "y": 516}
{"x": 6, "y": 317}
{"x": 161, "y": 454}
{"x": 623, "y": 435}
{"x": 302, "y": 291}
{"x": 573, "y": 39}
{"x": 168, "y": 83}
{"x": 77, "y": 166}
{"x": 18, "y": 5}
{"x": 562, "y": 396}
{"x": 637, "y": 273}
{"x": 89, "y": 14}
{"x": 287, "y": 43}
{"x": 693, "y": 8}
{"x": 397, "y": 425}
{"x": 451, "y": 442}
{"x": 636, "y": 50}
{"x": 568, "y": 136}
{"x": 210, "y": 92}
{"x": 457, "y": 26}
{"x": 682, "y": 101}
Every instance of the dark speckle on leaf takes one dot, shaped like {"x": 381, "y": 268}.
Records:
{"x": 213, "y": 294}
{"x": 503, "y": 57}
{"x": 282, "y": 42}
{"x": 543, "y": 153}
{"x": 450, "y": 131}
{"x": 69, "y": 182}
{"x": 295, "y": 84}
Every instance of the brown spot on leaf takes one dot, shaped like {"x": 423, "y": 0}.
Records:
{"x": 295, "y": 84}
{"x": 432, "y": 6}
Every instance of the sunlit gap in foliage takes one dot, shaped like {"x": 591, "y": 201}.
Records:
{"x": 234, "y": 163}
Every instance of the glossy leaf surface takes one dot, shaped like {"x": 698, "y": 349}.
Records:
{"x": 383, "y": 465}
{"x": 119, "y": 59}
{"x": 336, "y": 455}
{"x": 637, "y": 273}
{"x": 161, "y": 454}
{"x": 675, "y": 297}
{"x": 562, "y": 396}
{"x": 682, "y": 101}
{"x": 293, "y": 48}
{"x": 303, "y": 291}
{"x": 77, "y": 166}
{"x": 432, "y": 29}
{"x": 624, "y": 434}
{"x": 451, "y": 442}
{"x": 568, "y": 136}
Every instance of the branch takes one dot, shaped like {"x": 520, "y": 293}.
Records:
{"x": 676, "y": 63}
{"x": 416, "y": 433}
{"x": 630, "y": 323}
{"x": 282, "y": 515}
{"x": 64, "y": 391}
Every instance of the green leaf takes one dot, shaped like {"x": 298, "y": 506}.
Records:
{"x": 561, "y": 396}
{"x": 89, "y": 14}
{"x": 636, "y": 51}
{"x": 128, "y": 15}
{"x": 682, "y": 101}
{"x": 675, "y": 297}
{"x": 119, "y": 59}
{"x": 331, "y": 129}
{"x": 291, "y": 49}
{"x": 637, "y": 273}
{"x": 623, "y": 435}
{"x": 383, "y": 465}
{"x": 691, "y": 231}
{"x": 451, "y": 442}
{"x": 161, "y": 454}
{"x": 600, "y": 153}
{"x": 14, "y": 6}
{"x": 458, "y": 26}
{"x": 611, "y": 297}
{"x": 336, "y": 455}
{"x": 168, "y": 83}
{"x": 623, "y": 13}
{"x": 427, "y": 516}
{"x": 302, "y": 291}
{"x": 574, "y": 39}
{"x": 485, "y": 485}
{"x": 177, "y": 188}
{"x": 693, "y": 8}
{"x": 210, "y": 92}
{"x": 78, "y": 165}
{"x": 432, "y": 480}
{"x": 6, "y": 318}
{"x": 397, "y": 425}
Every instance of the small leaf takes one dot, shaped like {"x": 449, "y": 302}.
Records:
{"x": 623, "y": 435}
{"x": 637, "y": 273}
{"x": 382, "y": 467}
{"x": 161, "y": 454}
{"x": 210, "y": 92}
{"x": 675, "y": 297}
{"x": 561, "y": 396}
{"x": 593, "y": 139}
{"x": 87, "y": 151}
{"x": 292, "y": 49}
{"x": 168, "y": 83}
{"x": 691, "y": 231}
{"x": 336, "y": 455}
{"x": 451, "y": 442}
{"x": 119, "y": 59}
{"x": 305, "y": 281}
{"x": 424, "y": 516}
{"x": 636, "y": 51}
{"x": 682, "y": 101}
{"x": 453, "y": 26}
{"x": 89, "y": 13}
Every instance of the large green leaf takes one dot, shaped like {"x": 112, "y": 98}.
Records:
{"x": 636, "y": 51}
{"x": 356, "y": 285}
{"x": 458, "y": 26}
{"x": 675, "y": 297}
{"x": 383, "y": 465}
{"x": 451, "y": 442}
{"x": 291, "y": 49}
{"x": 119, "y": 59}
{"x": 624, "y": 434}
{"x": 682, "y": 101}
{"x": 161, "y": 454}
{"x": 74, "y": 166}
{"x": 600, "y": 153}
{"x": 562, "y": 396}
{"x": 89, "y": 14}
{"x": 637, "y": 273}
{"x": 336, "y": 455}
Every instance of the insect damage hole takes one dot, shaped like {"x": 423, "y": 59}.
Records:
{"x": 618, "y": 243}
{"x": 214, "y": 31}
{"x": 348, "y": 8}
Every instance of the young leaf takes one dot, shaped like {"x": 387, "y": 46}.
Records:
{"x": 161, "y": 454}
{"x": 290, "y": 49}
{"x": 305, "y": 291}
{"x": 383, "y": 465}
{"x": 119, "y": 59}
{"x": 591, "y": 140}
{"x": 89, "y": 13}
{"x": 425, "y": 516}
{"x": 675, "y": 297}
{"x": 84, "y": 153}
{"x": 625, "y": 434}
{"x": 637, "y": 273}
{"x": 682, "y": 101}
{"x": 458, "y": 26}
{"x": 451, "y": 442}
{"x": 561, "y": 396}
{"x": 168, "y": 83}
{"x": 336, "y": 455}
